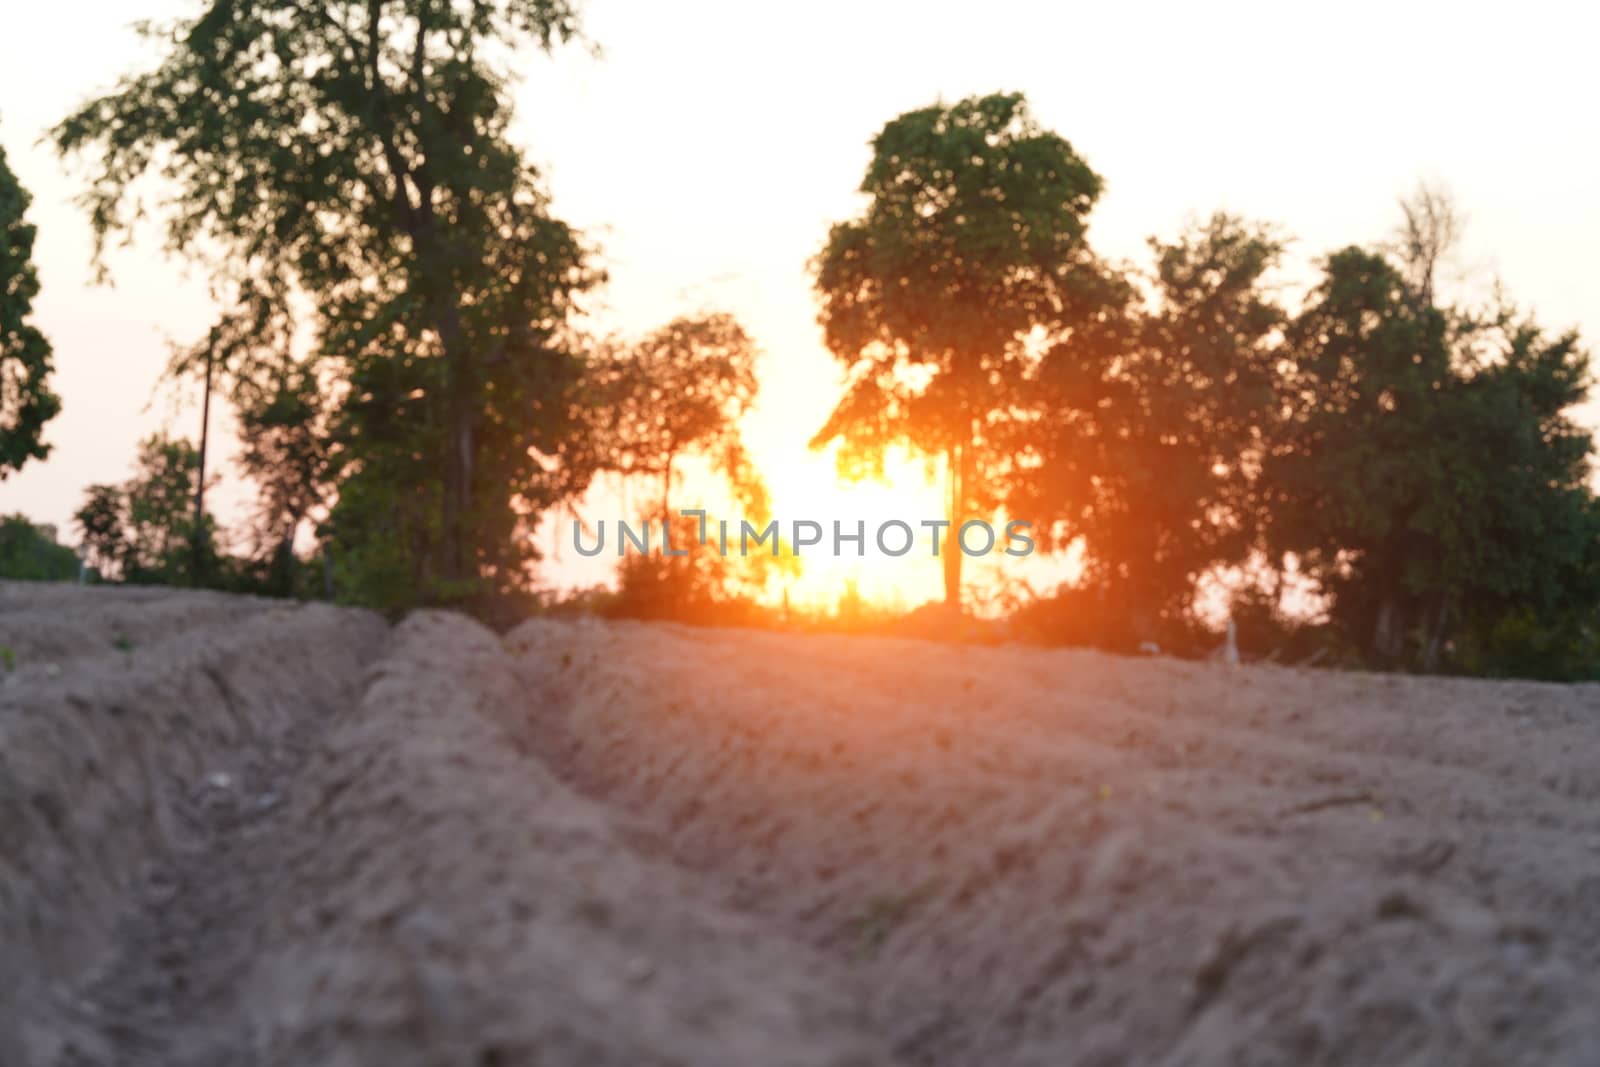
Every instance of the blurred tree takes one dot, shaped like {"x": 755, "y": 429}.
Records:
{"x": 1150, "y": 429}
{"x": 287, "y": 449}
{"x": 143, "y": 530}
{"x": 1428, "y": 474}
{"x": 26, "y": 402}
{"x": 30, "y": 552}
{"x": 680, "y": 392}
{"x": 972, "y": 240}
{"x": 99, "y": 521}
{"x": 1430, "y": 227}
{"x": 1561, "y": 646}
{"x": 160, "y": 519}
{"x": 357, "y": 153}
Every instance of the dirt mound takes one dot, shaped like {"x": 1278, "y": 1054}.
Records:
{"x": 260, "y": 835}
{"x": 1034, "y": 857}
{"x": 117, "y": 706}
{"x": 242, "y": 832}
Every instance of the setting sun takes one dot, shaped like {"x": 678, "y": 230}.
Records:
{"x": 808, "y": 486}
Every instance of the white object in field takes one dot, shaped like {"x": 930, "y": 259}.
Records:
{"x": 1229, "y": 652}
{"x": 1149, "y": 648}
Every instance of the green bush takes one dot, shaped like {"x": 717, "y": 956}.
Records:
{"x": 29, "y": 552}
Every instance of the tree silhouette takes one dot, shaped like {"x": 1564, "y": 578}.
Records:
{"x": 679, "y": 391}
{"x": 972, "y": 239}
{"x": 357, "y": 153}
{"x": 143, "y": 530}
{"x": 1430, "y": 227}
{"x": 287, "y": 449}
{"x": 99, "y": 520}
{"x": 1150, "y": 428}
{"x": 26, "y": 402}
{"x": 1427, "y": 474}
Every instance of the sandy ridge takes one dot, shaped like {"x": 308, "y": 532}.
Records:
{"x": 243, "y": 832}
{"x": 319, "y": 844}
{"x": 1063, "y": 857}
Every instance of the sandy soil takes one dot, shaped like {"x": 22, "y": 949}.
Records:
{"x": 238, "y": 832}
{"x": 1061, "y": 857}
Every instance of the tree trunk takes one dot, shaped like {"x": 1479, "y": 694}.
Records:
{"x": 200, "y": 481}
{"x": 458, "y": 465}
{"x": 1388, "y": 635}
{"x": 461, "y": 423}
{"x": 956, "y": 514}
{"x": 1438, "y": 622}
{"x": 666, "y": 491}
{"x": 281, "y": 578}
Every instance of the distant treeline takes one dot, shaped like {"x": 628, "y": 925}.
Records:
{"x": 401, "y": 344}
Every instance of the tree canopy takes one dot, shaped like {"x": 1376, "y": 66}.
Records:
{"x": 1428, "y": 473}
{"x": 286, "y": 448}
{"x": 972, "y": 239}
{"x": 356, "y": 154}
{"x": 1149, "y": 428}
{"x": 142, "y": 530}
{"x": 678, "y": 392}
{"x": 26, "y": 401}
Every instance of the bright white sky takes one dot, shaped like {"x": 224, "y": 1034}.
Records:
{"x": 710, "y": 145}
